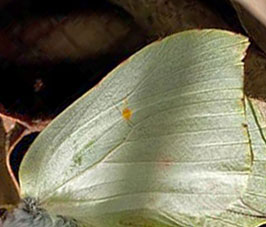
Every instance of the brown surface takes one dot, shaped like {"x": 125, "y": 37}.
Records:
{"x": 8, "y": 188}
{"x": 76, "y": 36}
{"x": 255, "y": 74}
{"x": 250, "y": 21}
{"x": 12, "y": 131}
{"x": 163, "y": 17}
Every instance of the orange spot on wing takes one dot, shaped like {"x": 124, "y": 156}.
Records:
{"x": 127, "y": 113}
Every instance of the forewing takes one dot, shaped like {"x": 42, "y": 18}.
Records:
{"x": 162, "y": 140}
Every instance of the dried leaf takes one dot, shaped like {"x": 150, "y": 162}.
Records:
{"x": 76, "y": 36}
{"x": 250, "y": 20}
{"x": 255, "y": 73}
{"x": 9, "y": 193}
{"x": 12, "y": 131}
{"x": 162, "y": 17}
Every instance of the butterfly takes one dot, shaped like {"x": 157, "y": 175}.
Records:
{"x": 164, "y": 140}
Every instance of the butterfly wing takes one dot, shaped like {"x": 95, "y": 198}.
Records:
{"x": 161, "y": 141}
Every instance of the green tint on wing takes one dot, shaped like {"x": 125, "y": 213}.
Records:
{"x": 161, "y": 141}
{"x": 250, "y": 209}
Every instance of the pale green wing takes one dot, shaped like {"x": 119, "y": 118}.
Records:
{"x": 250, "y": 209}
{"x": 255, "y": 195}
{"x": 161, "y": 141}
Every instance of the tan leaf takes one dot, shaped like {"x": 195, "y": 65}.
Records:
{"x": 255, "y": 74}
{"x": 12, "y": 130}
{"x": 163, "y": 17}
{"x": 76, "y": 36}
{"x": 253, "y": 19}
{"x": 9, "y": 193}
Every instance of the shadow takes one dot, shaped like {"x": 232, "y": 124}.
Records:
{"x": 19, "y": 151}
